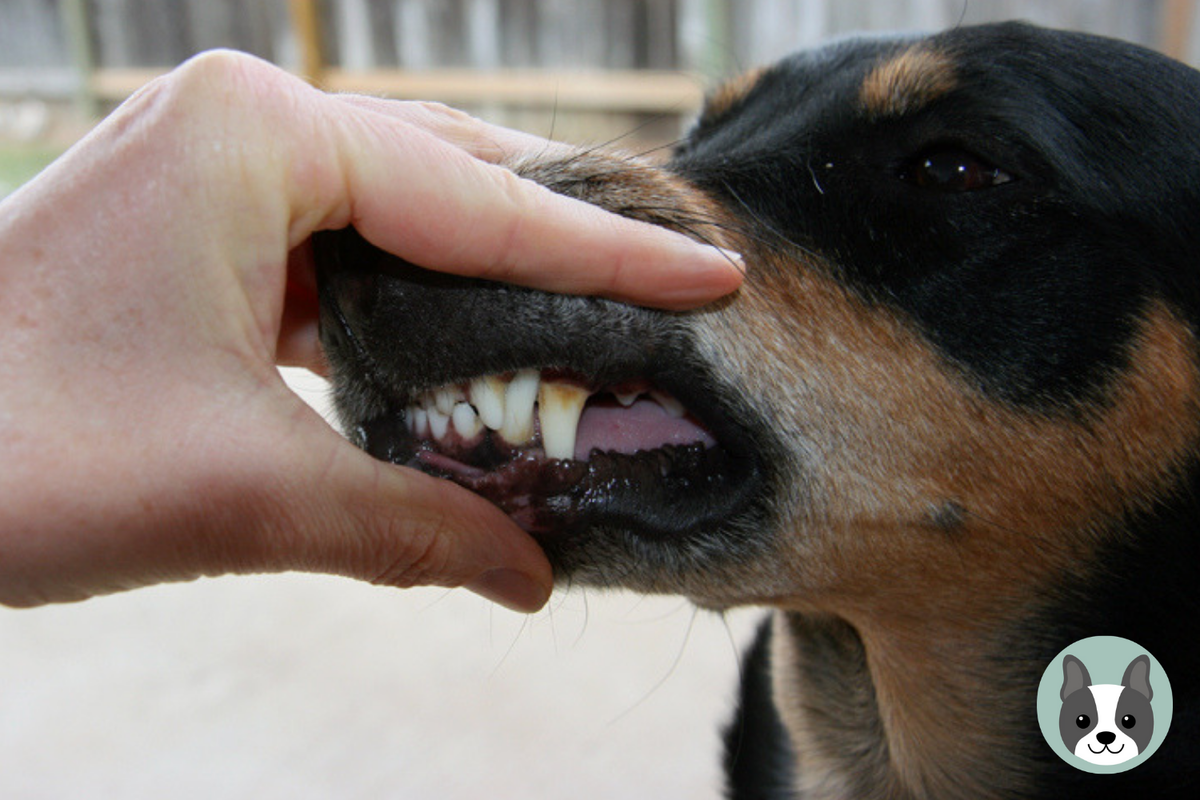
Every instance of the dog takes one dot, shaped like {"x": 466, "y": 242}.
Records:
{"x": 1102, "y": 723}
{"x": 949, "y": 425}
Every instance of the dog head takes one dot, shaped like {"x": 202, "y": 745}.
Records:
{"x": 1104, "y": 723}
{"x": 963, "y": 353}
{"x": 951, "y": 418}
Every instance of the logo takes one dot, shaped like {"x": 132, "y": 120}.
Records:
{"x": 1104, "y": 704}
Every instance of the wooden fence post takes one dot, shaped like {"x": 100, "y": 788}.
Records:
{"x": 306, "y": 27}
{"x": 1178, "y": 18}
{"x": 77, "y": 24}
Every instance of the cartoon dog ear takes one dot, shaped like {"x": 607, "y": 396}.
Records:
{"x": 1137, "y": 676}
{"x": 1075, "y": 676}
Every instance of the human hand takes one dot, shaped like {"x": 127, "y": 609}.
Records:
{"x": 157, "y": 273}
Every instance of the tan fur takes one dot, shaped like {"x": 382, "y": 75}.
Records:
{"x": 906, "y": 82}
{"x": 925, "y": 514}
{"x": 729, "y": 95}
{"x": 891, "y": 432}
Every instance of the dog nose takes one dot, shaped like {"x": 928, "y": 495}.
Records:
{"x": 1106, "y": 737}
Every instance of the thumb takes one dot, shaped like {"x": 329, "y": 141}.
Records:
{"x": 347, "y": 513}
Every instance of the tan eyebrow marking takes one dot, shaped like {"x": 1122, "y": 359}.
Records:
{"x": 907, "y": 82}
{"x": 729, "y": 94}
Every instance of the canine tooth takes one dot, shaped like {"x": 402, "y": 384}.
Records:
{"x": 465, "y": 420}
{"x": 487, "y": 395}
{"x": 410, "y": 424}
{"x": 420, "y": 419}
{"x": 627, "y": 398}
{"x": 446, "y": 397}
{"x": 439, "y": 423}
{"x": 559, "y": 408}
{"x": 519, "y": 398}
{"x": 673, "y": 407}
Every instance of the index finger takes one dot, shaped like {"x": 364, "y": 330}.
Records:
{"x": 430, "y": 201}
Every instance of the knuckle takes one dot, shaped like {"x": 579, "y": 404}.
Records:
{"x": 516, "y": 202}
{"x": 414, "y": 553}
{"x": 444, "y": 112}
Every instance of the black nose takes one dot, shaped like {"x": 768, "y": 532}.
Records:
{"x": 1106, "y": 737}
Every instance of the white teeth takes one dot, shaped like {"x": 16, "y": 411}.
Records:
{"x": 673, "y": 407}
{"x": 627, "y": 398}
{"x": 420, "y": 418}
{"x": 519, "y": 398}
{"x": 559, "y": 408}
{"x": 445, "y": 399}
{"x": 487, "y": 395}
{"x": 466, "y": 421}
{"x": 508, "y": 407}
{"x": 439, "y": 423}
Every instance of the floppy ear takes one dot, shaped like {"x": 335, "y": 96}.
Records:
{"x": 1137, "y": 676}
{"x": 1075, "y": 676}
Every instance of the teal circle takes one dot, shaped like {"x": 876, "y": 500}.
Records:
{"x": 1106, "y": 658}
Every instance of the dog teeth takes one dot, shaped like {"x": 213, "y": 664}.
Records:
{"x": 627, "y": 398}
{"x": 466, "y": 422}
{"x": 439, "y": 423}
{"x": 519, "y": 399}
{"x": 508, "y": 405}
{"x": 673, "y": 407}
{"x": 559, "y": 407}
{"x": 487, "y": 395}
{"x": 446, "y": 398}
{"x": 420, "y": 421}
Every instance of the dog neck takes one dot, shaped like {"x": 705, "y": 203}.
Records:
{"x": 933, "y": 695}
{"x": 891, "y": 714}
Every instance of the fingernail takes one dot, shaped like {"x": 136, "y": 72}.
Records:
{"x": 733, "y": 258}
{"x": 514, "y": 590}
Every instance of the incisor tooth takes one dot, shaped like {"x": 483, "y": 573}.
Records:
{"x": 559, "y": 408}
{"x": 420, "y": 419}
{"x": 487, "y": 395}
{"x": 627, "y": 398}
{"x": 519, "y": 398}
{"x": 673, "y": 407}
{"x": 439, "y": 423}
{"x": 466, "y": 421}
{"x": 445, "y": 398}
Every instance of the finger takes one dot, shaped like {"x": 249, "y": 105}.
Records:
{"x": 337, "y": 510}
{"x": 432, "y": 203}
{"x": 483, "y": 140}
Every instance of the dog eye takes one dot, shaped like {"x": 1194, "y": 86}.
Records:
{"x": 1083, "y": 720}
{"x": 1128, "y": 721}
{"x": 952, "y": 170}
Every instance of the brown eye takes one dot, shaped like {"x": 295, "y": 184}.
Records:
{"x": 952, "y": 170}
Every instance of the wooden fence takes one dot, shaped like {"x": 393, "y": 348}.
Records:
{"x": 634, "y": 56}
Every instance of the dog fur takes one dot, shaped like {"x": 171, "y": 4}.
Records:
{"x": 957, "y": 400}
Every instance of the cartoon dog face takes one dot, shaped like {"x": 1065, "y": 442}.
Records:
{"x": 1104, "y": 723}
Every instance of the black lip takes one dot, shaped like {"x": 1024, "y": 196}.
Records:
{"x": 665, "y": 493}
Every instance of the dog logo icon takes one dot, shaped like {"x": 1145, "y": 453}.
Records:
{"x": 1104, "y": 704}
{"x": 1104, "y": 723}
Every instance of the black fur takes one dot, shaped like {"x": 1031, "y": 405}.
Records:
{"x": 759, "y": 761}
{"x": 1030, "y": 286}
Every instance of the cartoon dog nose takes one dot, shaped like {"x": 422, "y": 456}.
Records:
{"x": 1106, "y": 737}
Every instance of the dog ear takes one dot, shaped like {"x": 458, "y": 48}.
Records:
{"x": 1075, "y": 676}
{"x": 1137, "y": 676}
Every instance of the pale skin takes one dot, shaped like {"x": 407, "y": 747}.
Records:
{"x": 155, "y": 276}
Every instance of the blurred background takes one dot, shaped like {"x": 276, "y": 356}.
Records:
{"x": 311, "y": 687}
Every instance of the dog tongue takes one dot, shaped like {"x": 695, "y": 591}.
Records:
{"x": 645, "y": 425}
